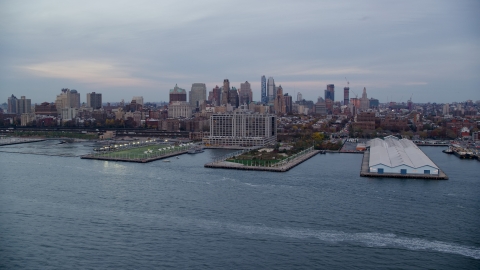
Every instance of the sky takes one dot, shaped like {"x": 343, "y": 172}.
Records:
{"x": 425, "y": 50}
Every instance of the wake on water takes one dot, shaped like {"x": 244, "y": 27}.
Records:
{"x": 368, "y": 239}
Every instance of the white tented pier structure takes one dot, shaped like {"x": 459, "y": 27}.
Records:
{"x": 398, "y": 156}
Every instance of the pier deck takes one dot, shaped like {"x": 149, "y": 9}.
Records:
{"x": 283, "y": 168}
{"x": 143, "y": 160}
{"x": 364, "y": 172}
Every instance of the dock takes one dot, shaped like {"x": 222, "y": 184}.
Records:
{"x": 365, "y": 172}
{"x": 283, "y": 168}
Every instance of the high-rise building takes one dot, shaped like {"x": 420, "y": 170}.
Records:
{"x": 242, "y": 129}
{"x": 225, "y": 92}
{"x": 299, "y": 96}
{"x": 215, "y": 96}
{"x": 245, "y": 93}
{"x": 138, "y": 100}
{"x": 177, "y": 94}
{"x": 264, "y": 98}
{"x": 94, "y": 100}
{"x": 346, "y": 95}
{"x": 446, "y": 109}
{"x": 330, "y": 92}
{"x": 233, "y": 98}
{"x": 74, "y": 99}
{"x": 288, "y": 103}
{"x": 364, "y": 102}
{"x": 279, "y": 102}
{"x": 320, "y": 106}
{"x": 24, "y": 105}
{"x": 271, "y": 90}
{"x": 197, "y": 94}
{"x": 12, "y": 104}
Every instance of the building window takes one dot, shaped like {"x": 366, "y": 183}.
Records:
{"x": 426, "y": 171}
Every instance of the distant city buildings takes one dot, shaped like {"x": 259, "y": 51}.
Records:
{"x": 177, "y": 94}
{"x": 94, "y": 100}
{"x": 299, "y": 96}
{"x": 225, "y": 92}
{"x": 12, "y": 104}
{"x": 320, "y": 107}
{"x": 271, "y": 90}
{"x": 245, "y": 94}
{"x": 179, "y": 109}
{"x": 138, "y": 100}
{"x": 215, "y": 95}
{"x": 364, "y": 101}
{"x": 346, "y": 95}
{"x": 24, "y": 105}
{"x": 330, "y": 92}
{"x": 197, "y": 94}
{"x": 264, "y": 97}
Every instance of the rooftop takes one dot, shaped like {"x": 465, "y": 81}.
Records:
{"x": 393, "y": 152}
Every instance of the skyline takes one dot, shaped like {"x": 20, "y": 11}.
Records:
{"x": 123, "y": 49}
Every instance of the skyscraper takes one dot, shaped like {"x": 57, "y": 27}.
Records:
{"x": 177, "y": 94}
{"x": 74, "y": 99}
{"x": 12, "y": 104}
{"x": 346, "y": 94}
{"x": 216, "y": 96}
{"x": 364, "y": 102}
{"x": 245, "y": 93}
{"x": 197, "y": 94}
{"x": 94, "y": 100}
{"x": 299, "y": 96}
{"x": 271, "y": 90}
{"x": 264, "y": 97}
{"x": 330, "y": 92}
{"x": 225, "y": 92}
{"x": 279, "y": 103}
{"x": 24, "y": 105}
{"x": 233, "y": 98}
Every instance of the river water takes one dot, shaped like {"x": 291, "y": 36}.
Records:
{"x": 58, "y": 211}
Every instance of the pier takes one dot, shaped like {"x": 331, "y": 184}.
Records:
{"x": 281, "y": 166}
{"x": 365, "y": 172}
{"x": 142, "y": 154}
{"x": 11, "y": 141}
{"x": 126, "y": 158}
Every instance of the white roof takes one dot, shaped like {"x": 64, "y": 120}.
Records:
{"x": 393, "y": 152}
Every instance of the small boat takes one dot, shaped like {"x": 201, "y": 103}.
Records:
{"x": 448, "y": 151}
{"x": 195, "y": 149}
{"x": 166, "y": 160}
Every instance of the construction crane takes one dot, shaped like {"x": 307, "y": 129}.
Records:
{"x": 348, "y": 83}
{"x": 411, "y": 98}
{"x": 356, "y": 96}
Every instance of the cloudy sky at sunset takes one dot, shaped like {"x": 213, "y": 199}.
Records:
{"x": 428, "y": 49}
